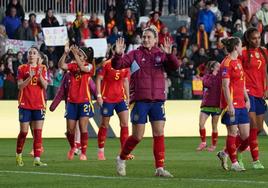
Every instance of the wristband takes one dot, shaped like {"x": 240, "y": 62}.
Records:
{"x": 99, "y": 95}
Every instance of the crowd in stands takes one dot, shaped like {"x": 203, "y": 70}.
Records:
{"x": 194, "y": 44}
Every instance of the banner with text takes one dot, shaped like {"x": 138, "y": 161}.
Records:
{"x": 55, "y": 36}
{"x": 18, "y": 45}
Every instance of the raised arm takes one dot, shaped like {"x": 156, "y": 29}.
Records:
{"x": 81, "y": 65}
{"x": 62, "y": 62}
{"x": 119, "y": 61}
{"x": 171, "y": 60}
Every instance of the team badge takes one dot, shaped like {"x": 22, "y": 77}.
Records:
{"x": 136, "y": 117}
{"x": 257, "y": 55}
{"x": 158, "y": 59}
{"x": 105, "y": 111}
{"x": 239, "y": 66}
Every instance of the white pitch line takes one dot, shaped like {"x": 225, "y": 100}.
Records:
{"x": 224, "y": 180}
{"x": 134, "y": 178}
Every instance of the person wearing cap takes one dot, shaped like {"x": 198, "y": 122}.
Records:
{"x": 155, "y": 20}
{"x": 79, "y": 107}
{"x": 147, "y": 94}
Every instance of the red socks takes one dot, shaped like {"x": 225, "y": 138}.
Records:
{"x": 214, "y": 138}
{"x": 123, "y": 136}
{"x": 84, "y": 140}
{"x": 70, "y": 138}
{"x": 102, "y": 136}
{"x": 253, "y": 142}
{"x": 159, "y": 151}
{"x": 243, "y": 146}
{"x": 238, "y": 141}
{"x": 130, "y": 144}
{"x": 202, "y": 133}
{"x": 20, "y": 141}
{"x": 37, "y": 143}
{"x": 231, "y": 148}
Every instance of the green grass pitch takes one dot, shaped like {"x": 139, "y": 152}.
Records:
{"x": 190, "y": 168}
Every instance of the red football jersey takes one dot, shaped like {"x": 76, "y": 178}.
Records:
{"x": 32, "y": 96}
{"x": 79, "y": 91}
{"x": 254, "y": 71}
{"x": 233, "y": 70}
{"x": 112, "y": 88}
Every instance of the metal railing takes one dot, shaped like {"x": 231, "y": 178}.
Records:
{"x": 61, "y": 6}
{"x": 184, "y": 5}
{"x": 86, "y": 6}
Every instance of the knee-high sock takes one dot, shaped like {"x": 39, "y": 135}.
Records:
{"x": 202, "y": 133}
{"x": 129, "y": 145}
{"x": 253, "y": 142}
{"x": 84, "y": 141}
{"x": 70, "y": 138}
{"x": 37, "y": 144}
{"x": 102, "y": 137}
{"x": 231, "y": 148}
{"x": 214, "y": 138}
{"x": 20, "y": 141}
{"x": 243, "y": 146}
{"x": 159, "y": 151}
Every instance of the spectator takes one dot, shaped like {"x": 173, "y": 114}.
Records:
{"x": 2, "y": 67}
{"x": 114, "y": 36}
{"x": 50, "y": 20}
{"x": 99, "y": 32}
{"x": 129, "y": 26}
{"x": 17, "y": 63}
{"x": 172, "y": 7}
{"x": 160, "y": 5}
{"x": 84, "y": 32}
{"x": 24, "y": 32}
{"x": 110, "y": 22}
{"x": 35, "y": 27}
{"x": 238, "y": 31}
{"x": 10, "y": 82}
{"x": 19, "y": 10}
{"x": 50, "y": 76}
{"x": 218, "y": 55}
{"x": 52, "y": 54}
{"x": 182, "y": 41}
{"x": 217, "y": 35}
{"x": 155, "y": 20}
{"x": 164, "y": 34}
{"x": 226, "y": 22}
{"x": 262, "y": 14}
{"x": 202, "y": 37}
{"x": 94, "y": 21}
{"x": 193, "y": 14}
{"x": 214, "y": 8}
{"x": 200, "y": 58}
{"x": 239, "y": 10}
{"x": 76, "y": 26}
{"x": 187, "y": 73}
{"x": 71, "y": 33}
{"x": 12, "y": 23}
{"x": 134, "y": 7}
{"x": 207, "y": 17}
{"x": 254, "y": 22}
{"x": 244, "y": 23}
